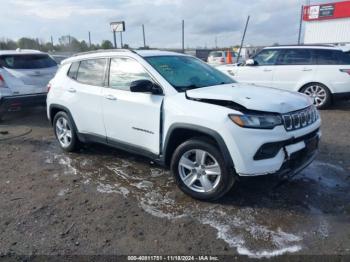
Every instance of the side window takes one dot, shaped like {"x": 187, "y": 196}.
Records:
{"x": 326, "y": 57}
{"x": 123, "y": 71}
{"x": 92, "y": 72}
{"x": 344, "y": 58}
{"x": 295, "y": 57}
{"x": 73, "y": 70}
{"x": 267, "y": 57}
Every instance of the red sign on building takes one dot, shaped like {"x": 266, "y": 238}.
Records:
{"x": 327, "y": 11}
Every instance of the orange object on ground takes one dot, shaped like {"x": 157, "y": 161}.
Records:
{"x": 229, "y": 57}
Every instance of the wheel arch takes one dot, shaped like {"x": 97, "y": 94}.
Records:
{"x": 179, "y": 133}
{"x": 55, "y": 108}
{"x": 315, "y": 82}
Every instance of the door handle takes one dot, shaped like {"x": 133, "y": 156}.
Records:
{"x": 72, "y": 90}
{"x": 307, "y": 69}
{"x": 267, "y": 70}
{"x": 110, "y": 97}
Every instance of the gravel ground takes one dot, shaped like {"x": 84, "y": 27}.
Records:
{"x": 102, "y": 201}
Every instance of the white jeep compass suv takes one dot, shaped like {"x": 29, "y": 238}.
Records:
{"x": 321, "y": 72}
{"x": 24, "y": 75}
{"x": 184, "y": 114}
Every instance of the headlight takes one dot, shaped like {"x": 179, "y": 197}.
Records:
{"x": 263, "y": 121}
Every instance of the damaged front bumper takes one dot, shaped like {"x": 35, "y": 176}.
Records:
{"x": 297, "y": 154}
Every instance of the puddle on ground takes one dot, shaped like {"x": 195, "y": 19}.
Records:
{"x": 255, "y": 219}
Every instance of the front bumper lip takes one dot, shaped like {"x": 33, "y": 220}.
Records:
{"x": 294, "y": 170}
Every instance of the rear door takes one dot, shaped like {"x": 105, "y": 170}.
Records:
{"x": 83, "y": 95}
{"x": 28, "y": 73}
{"x": 294, "y": 68}
{"x": 261, "y": 73}
{"x": 131, "y": 118}
{"x": 332, "y": 68}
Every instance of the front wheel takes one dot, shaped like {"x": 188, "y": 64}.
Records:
{"x": 319, "y": 93}
{"x": 200, "y": 170}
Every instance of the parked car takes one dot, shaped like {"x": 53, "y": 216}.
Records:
{"x": 220, "y": 57}
{"x": 59, "y": 58}
{"x": 24, "y": 75}
{"x": 183, "y": 114}
{"x": 321, "y": 72}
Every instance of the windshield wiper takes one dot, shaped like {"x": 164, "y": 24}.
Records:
{"x": 185, "y": 88}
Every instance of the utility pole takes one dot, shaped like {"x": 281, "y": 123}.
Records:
{"x": 216, "y": 42}
{"x": 115, "y": 40}
{"x": 183, "y": 36}
{"x": 144, "y": 37}
{"x": 89, "y": 39}
{"x": 245, "y": 30}
{"x": 52, "y": 41}
{"x": 121, "y": 39}
{"x": 300, "y": 24}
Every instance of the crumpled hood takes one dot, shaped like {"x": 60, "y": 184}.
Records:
{"x": 253, "y": 97}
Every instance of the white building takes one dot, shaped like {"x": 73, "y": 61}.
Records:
{"x": 327, "y": 23}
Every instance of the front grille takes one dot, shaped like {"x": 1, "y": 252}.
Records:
{"x": 299, "y": 119}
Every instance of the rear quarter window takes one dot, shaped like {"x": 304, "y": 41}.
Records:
{"x": 73, "y": 70}
{"x": 327, "y": 57}
{"x": 344, "y": 58}
{"x": 36, "y": 61}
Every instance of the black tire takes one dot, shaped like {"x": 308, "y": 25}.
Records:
{"x": 328, "y": 99}
{"x": 74, "y": 142}
{"x": 227, "y": 174}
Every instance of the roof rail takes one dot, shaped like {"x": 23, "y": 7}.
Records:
{"x": 102, "y": 51}
{"x": 321, "y": 45}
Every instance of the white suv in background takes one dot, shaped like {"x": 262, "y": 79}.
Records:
{"x": 220, "y": 57}
{"x": 321, "y": 72}
{"x": 182, "y": 113}
{"x": 24, "y": 75}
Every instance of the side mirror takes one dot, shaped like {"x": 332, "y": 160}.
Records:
{"x": 145, "y": 86}
{"x": 250, "y": 62}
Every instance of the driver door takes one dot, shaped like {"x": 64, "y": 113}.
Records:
{"x": 130, "y": 118}
{"x": 262, "y": 72}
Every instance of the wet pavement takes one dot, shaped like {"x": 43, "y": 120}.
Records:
{"x": 261, "y": 216}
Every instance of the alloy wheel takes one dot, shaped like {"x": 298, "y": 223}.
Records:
{"x": 63, "y": 132}
{"x": 199, "y": 170}
{"x": 317, "y": 93}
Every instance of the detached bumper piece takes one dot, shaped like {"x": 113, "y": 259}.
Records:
{"x": 299, "y": 160}
{"x": 15, "y": 103}
{"x": 270, "y": 150}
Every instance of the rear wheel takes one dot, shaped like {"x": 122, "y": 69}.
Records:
{"x": 200, "y": 170}
{"x": 65, "y": 132}
{"x": 319, "y": 93}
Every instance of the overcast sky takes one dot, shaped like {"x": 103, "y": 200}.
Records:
{"x": 271, "y": 20}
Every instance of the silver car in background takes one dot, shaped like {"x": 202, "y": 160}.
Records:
{"x": 24, "y": 75}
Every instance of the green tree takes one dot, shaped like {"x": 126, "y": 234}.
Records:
{"x": 83, "y": 46}
{"x": 106, "y": 44}
{"x": 28, "y": 43}
{"x": 7, "y": 44}
{"x": 69, "y": 43}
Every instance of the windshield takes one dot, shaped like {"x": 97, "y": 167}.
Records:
{"x": 185, "y": 72}
{"x": 36, "y": 61}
